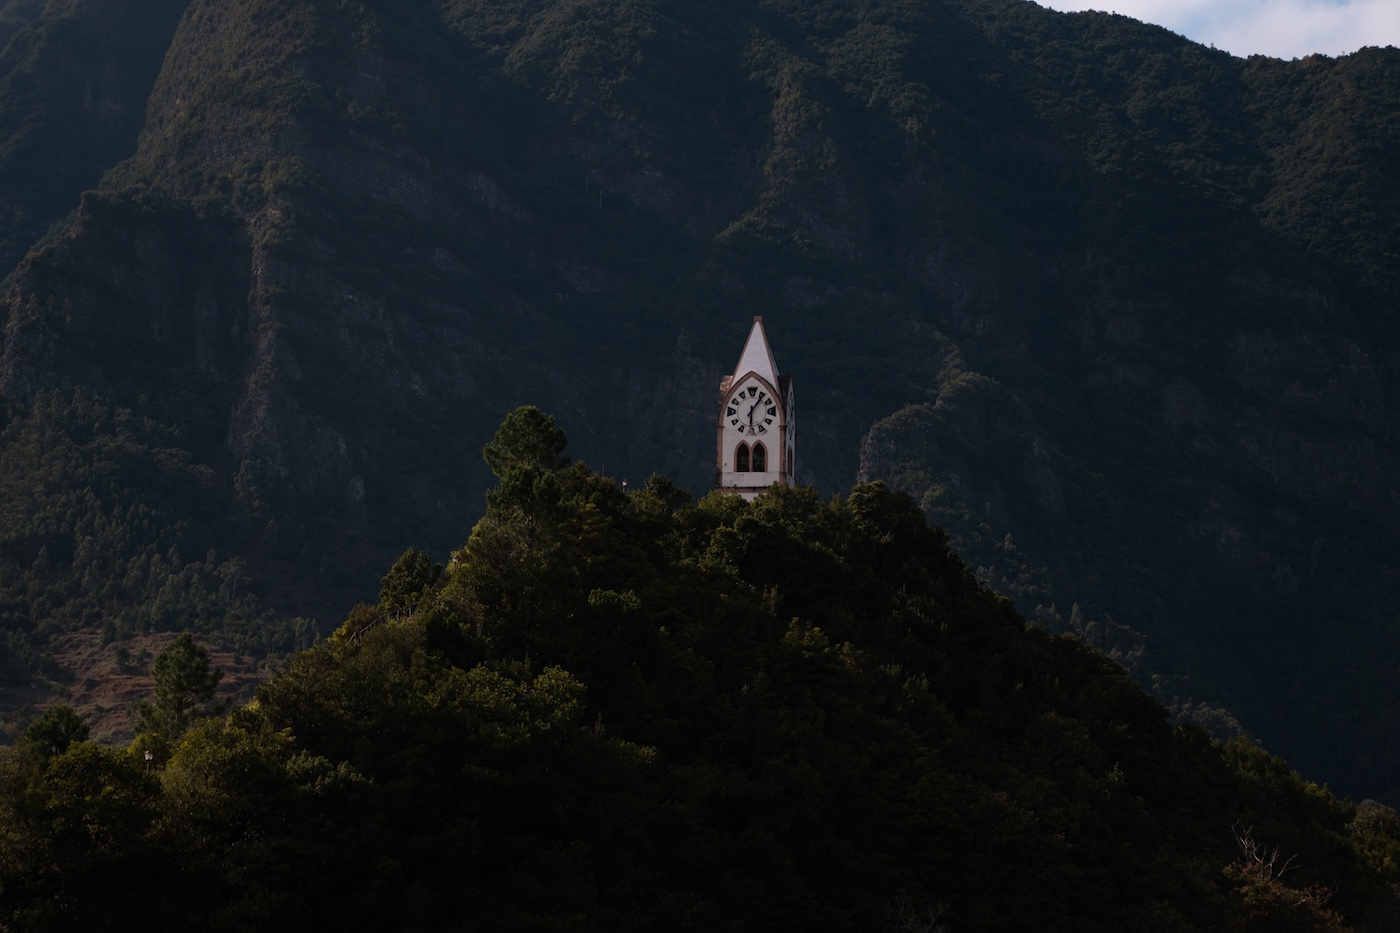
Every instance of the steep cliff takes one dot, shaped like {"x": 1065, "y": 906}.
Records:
{"x": 74, "y": 79}
{"x": 1117, "y": 307}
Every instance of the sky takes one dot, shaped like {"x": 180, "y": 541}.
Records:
{"x": 1280, "y": 28}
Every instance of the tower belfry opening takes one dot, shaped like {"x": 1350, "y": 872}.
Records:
{"x": 754, "y": 430}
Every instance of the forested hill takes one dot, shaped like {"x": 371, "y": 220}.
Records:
{"x": 1116, "y": 308}
{"x": 621, "y": 710}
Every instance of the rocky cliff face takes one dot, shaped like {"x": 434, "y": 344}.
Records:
{"x": 1045, "y": 272}
{"x": 1243, "y": 483}
{"x": 74, "y": 80}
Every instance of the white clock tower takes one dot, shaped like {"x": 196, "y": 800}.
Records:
{"x": 754, "y": 434}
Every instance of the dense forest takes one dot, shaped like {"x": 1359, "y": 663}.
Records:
{"x": 1115, "y": 309}
{"x": 621, "y": 709}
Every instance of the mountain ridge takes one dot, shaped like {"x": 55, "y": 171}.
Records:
{"x": 1064, "y": 277}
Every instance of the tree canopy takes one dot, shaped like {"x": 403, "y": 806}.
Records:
{"x": 277, "y": 267}
{"x": 184, "y": 682}
{"x": 627, "y": 710}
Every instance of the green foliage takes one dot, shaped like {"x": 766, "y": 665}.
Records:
{"x": 628, "y": 711}
{"x": 75, "y": 839}
{"x": 526, "y": 441}
{"x": 406, "y": 584}
{"x": 110, "y": 524}
{"x": 183, "y": 684}
{"x": 53, "y": 730}
{"x": 1117, "y": 306}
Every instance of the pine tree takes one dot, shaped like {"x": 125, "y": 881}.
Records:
{"x": 184, "y": 683}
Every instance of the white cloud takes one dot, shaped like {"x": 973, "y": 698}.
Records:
{"x": 1281, "y": 28}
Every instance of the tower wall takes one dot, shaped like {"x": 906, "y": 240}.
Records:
{"x": 754, "y": 417}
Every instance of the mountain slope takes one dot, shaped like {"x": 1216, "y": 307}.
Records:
{"x": 74, "y": 78}
{"x": 1069, "y": 279}
{"x": 625, "y": 710}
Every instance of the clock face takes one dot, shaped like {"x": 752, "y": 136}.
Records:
{"x": 751, "y": 411}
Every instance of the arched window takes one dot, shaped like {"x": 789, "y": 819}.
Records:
{"x": 741, "y": 459}
{"x": 760, "y": 459}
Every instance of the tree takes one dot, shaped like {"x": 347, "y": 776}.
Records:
{"x": 1266, "y": 902}
{"x": 527, "y": 438}
{"x": 408, "y": 581}
{"x": 54, "y": 730}
{"x": 184, "y": 683}
{"x": 75, "y": 840}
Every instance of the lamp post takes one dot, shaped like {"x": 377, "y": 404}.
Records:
{"x": 149, "y": 756}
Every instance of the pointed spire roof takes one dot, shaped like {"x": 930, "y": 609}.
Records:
{"x": 757, "y": 358}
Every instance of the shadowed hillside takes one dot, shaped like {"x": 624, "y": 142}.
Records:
{"x": 1116, "y": 308}
{"x": 623, "y": 710}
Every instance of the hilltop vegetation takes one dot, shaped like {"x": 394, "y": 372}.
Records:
{"x": 1116, "y": 309}
{"x": 625, "y": 710}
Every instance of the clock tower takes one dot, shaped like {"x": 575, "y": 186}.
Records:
{"x": 754, "y": 437}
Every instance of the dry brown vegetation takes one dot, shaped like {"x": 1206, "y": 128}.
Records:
{"x": 105, "y": 681}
